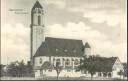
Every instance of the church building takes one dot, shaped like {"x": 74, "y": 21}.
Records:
{"x": 66, "y": 52}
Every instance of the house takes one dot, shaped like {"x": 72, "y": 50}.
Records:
{"x": 47, "y": 51}
{"x": 110, "y": 67}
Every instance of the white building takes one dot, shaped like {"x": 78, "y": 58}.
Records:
{"x": 67, "y": 52}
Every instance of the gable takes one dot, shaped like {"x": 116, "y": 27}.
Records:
{"x": 60, "y": 47}
{"x": 118, "y": 64}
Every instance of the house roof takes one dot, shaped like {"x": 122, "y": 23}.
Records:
{"x": 60, "y": 47}
{"x": 106, "y": 63}
{"x": 37, "y": 5}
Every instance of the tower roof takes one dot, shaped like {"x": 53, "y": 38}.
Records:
{"x": 37, "y": 5}
{"x": 87, "y": 45}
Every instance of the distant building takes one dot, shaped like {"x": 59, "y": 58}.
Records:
{"x": 67, "y": 52}
{"x": 112, "y": 66}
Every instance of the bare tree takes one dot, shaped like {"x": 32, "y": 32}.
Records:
{"x": 58, "y": 69}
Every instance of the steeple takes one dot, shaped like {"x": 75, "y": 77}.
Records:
{"x": 37, "y": 28}
{"x": 37, "y": 5}
{"x": 87, "y": 45}
{"x": 37, "y": 14}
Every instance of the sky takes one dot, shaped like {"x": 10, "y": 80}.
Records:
{"x": 101, "y": 23}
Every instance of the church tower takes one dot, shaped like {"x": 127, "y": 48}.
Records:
{"x": 37, "y": 27}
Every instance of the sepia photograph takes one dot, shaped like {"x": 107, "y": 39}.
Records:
{"x": 64, "y": 40}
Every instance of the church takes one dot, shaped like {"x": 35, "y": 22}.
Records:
{"x": 66, "y": 52}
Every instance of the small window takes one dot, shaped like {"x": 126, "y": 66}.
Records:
{"x": 76, "y": 62}
{"x": 104, "y": 74}
{"x": 72, "y": 59}
{"x": 41, "y": 60}
{"x": 58, "y": 61}
{"x": 109, "y": 75}
{"x": 65, "y": 50}
{"x": 67, "y": 62}
{"x": 39, "y": 20}
{"x": 63, "y": 59}
{"x": 99, "y": 74}
{"x": 57, "y": 49}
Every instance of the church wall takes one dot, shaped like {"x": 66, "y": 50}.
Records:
{"x": 53, "y": 73}
{"x": 53, "y": 60}
{"x": 64, "y": 73}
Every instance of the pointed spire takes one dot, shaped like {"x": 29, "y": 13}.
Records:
{"x": 37, "y": 5}
{"x": 87, "y": 45}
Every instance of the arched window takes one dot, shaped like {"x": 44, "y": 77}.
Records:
{"x": 40, "y": 60}
{"x": 39, "y": 20}
{"x": 76, "y": 62}
{"x": 104, "y": 74}
{"x": 99, "y": 74}
{"x": 109, "y": 74}
{"x": 58, "y": 61}
{"x": 67, "y": 62}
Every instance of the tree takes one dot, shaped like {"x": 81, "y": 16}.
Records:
{"x": 125, "y": 74}
{"x": 22, "y": 69}
{"x": 29, "y": 69}
{"x": 19, "y": 69}
{"x": 46, "y": 65}
{"x": 58, "y": 69}
{"x": 121, "y": 73}
{"x": 89, "y": 64}
{"x": 2, "y": 70}
{"x": 95, "y": 63}
{"x": 12, "y": 69}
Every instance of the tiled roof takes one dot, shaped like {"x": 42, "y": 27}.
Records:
{"x": 106, "y": 63}
{"x": 37, "y": 5}
{"x": 60, "y": 47}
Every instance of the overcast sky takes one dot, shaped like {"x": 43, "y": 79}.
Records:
{"x": 102, "y": 23}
